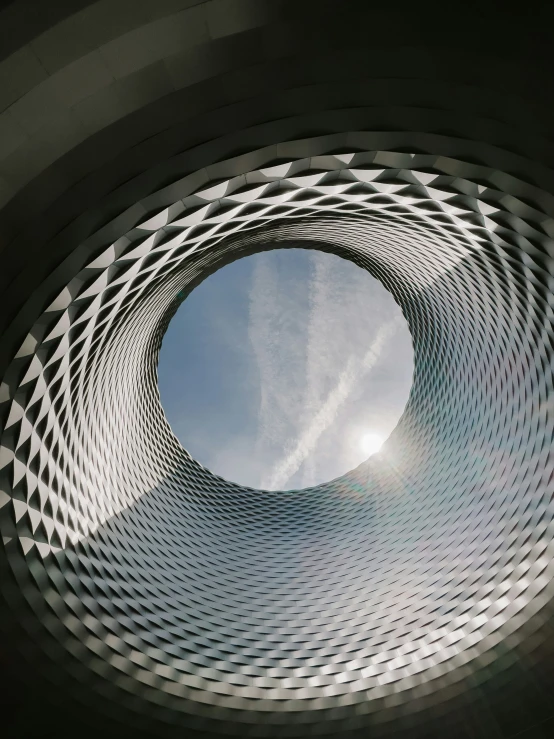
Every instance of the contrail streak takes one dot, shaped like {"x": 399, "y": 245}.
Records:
{"x": 351, "y": 374}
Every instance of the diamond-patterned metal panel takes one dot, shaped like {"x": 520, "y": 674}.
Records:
{"x": 359, "y": 602}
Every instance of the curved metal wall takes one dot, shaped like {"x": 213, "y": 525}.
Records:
{"x": 144, "y": 595}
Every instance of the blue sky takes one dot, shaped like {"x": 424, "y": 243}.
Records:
{"x": 277, "y": 366}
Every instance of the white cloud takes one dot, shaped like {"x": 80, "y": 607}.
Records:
{"x": 278, "y": 346}
{"x": 320, "y": 289}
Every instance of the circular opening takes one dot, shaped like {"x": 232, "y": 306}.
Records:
{"x": 285, "y": 369}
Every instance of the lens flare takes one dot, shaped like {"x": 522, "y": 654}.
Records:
{"x": 371, "y": 443}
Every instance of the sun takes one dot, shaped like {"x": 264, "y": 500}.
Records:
{"x": 371, "y": 443}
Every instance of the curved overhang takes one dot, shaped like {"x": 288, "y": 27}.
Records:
{"x": 144, "y": 145}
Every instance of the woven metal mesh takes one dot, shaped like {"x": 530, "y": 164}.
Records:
{"x": 316, "y": 611}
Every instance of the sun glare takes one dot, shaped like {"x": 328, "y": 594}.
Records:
{"x": 370, "y": 443}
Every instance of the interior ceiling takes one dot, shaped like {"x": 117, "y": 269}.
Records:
{"x": 142, "y": 146}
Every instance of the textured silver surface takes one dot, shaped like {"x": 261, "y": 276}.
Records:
{"x": 144, "y": 145}
{"x": 397, "y": 579}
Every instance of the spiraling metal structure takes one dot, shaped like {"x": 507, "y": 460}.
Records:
{"x": 142, "y": 594}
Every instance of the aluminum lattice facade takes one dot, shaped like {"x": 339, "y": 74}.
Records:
{"x": 411, "y": 596}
